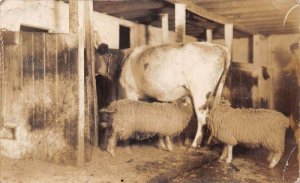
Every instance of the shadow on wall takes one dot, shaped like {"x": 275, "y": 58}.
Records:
{"x": 238, "y": 88}
{"x": 106, "y": 93}
{"x": 285, "y": 86}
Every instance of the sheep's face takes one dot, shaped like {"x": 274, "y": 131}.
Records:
{"x": 184, "y": 101}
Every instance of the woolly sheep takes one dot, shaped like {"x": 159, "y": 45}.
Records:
{"x": 130, "y": 117}
{"x": 253, "y": 127}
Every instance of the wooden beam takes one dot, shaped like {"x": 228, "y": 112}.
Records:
{"x": 264, "y": 19}
{"x": 165, "y": 27}
{"x": 211, "y": 16}
{"x": 277, "y": 23}
{"x": 200, "y": 11}
{"x": 113, "y": 7}
{"x": 244, "y": 3}
{"x": 136, "y": 14}
{"x": 207, "y": 25}
{"x": 77, "y": 27}
{"x": 249, "y": 9}
{"x": 92, "y": 103}
{"x": 209, "y": 36}
{"x": 180, "y": 18}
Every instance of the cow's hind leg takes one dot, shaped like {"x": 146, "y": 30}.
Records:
{"x": 201, "y": 119}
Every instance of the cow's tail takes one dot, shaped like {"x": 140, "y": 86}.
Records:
{"x": 221, "y": 83}
{"x": 215, "y": 97}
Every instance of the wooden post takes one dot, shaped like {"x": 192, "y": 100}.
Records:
{"x": 90, "y": 56}
{"x": 229, "y": 36}
{"x": 209, "y": 35}
{"x": 258, "y": 93}
{"x": 165, "y": 27}
{"x": 228, "y": 43}
{"x": 180, "y": 18}
{"x": 76, "y": 15}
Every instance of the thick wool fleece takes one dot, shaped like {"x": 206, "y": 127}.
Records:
{"x": 253, "y": 127}
{"x": 165, "y": 119}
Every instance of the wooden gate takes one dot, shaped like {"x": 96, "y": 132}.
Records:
{"x": 39, "y": 97}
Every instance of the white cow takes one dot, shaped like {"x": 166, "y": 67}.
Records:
{"x": 168, "y": 72}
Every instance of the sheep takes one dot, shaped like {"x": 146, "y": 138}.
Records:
{"x": 252, "y": 127}
{"x": 165, "y": 119}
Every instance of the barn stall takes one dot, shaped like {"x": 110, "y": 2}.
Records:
{"x": 40, "y": 96}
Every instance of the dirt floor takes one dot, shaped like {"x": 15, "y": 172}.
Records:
{"x": 248, "y": 165}
{"x": 147, "y": 163}
{"x": 143, "y": 163}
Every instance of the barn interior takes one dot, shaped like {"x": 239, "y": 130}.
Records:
{"x": 38, "y": 50}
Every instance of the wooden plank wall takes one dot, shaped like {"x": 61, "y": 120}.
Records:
{"x": 42, "y": 90}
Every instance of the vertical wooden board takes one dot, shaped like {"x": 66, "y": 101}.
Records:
{"x": 73, "y": 57}
{"x": 67, "y": 88}
{"x": 73, "y": 66}
{"x": 38, "y": 74}
{"x": 28, "y": 76}
{"x": 7, "y": 86}
{"x": 16, "y": 79}
{"x": 51, "y": 79}
{"x": 62, "y": 58}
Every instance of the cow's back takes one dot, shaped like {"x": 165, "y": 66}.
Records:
{"x": 165, "y": 72}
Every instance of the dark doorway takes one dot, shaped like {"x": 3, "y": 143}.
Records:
{"x": 124, "y": 35}
{"x": 24, "y": 28}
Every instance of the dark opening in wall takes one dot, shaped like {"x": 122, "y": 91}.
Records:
{"x": 124, "y": 35}
{"x": 25, "y": 28}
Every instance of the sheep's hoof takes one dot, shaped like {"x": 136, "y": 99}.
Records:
{"x": 222, "y": 158}
{"x": 273, "y": 163}
{"x": 112, "y": 152}
{"x": 228, "y": 160}
{"x": 170, "y": 148}
{"x": 163, "y": 148}
{"x": 270, "y": 157}
{"x": 191, "y": 149}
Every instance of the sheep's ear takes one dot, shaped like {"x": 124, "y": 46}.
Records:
{"x": 186, "y": 100}
{"x": 102, "y": 49}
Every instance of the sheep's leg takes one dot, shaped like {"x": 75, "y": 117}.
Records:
{"x": 224, "y": 153}
{"x": 229, "y": 153}
{"x": 270, "y": 156}
{"x": 112, "y": 141}
{"x": 275, "y": 159}
{"x": 162, "y": 143}
{"x": 169, "y": 143}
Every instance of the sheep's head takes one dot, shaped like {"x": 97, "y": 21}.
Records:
{"x": 185, "y": 103}
{"x": 225, "y": 103}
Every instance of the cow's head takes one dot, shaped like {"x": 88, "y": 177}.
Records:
{"x": 108, "y": 61}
